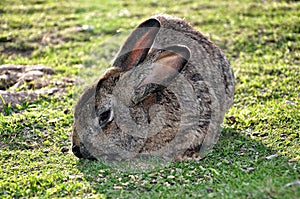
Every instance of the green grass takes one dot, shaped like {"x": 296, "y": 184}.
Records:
{"x": 261, "y": 39}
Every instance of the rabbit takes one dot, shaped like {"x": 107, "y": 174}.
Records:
{"x": 164, "y": 96}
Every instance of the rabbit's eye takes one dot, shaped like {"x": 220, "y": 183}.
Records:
{"x": 105, "y": 117}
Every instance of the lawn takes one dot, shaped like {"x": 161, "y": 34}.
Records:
{"x": 258, "y": 155}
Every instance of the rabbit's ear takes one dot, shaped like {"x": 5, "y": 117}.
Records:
{"x": 164, "y": 69}
{"x": 167, "y": 66}
{"x": 137, "y": 45}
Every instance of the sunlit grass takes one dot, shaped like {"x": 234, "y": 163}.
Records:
{"x": 261, "y": 40}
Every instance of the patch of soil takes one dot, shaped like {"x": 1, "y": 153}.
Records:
{"x": 20, "y": 84}
{"x": 52, "y": 38}
{"x": 11, "y": 50}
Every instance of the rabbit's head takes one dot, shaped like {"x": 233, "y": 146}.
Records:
{"x": 115, "y": 118}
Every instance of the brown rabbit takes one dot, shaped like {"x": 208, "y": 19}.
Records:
{"x": 165, "y": 96}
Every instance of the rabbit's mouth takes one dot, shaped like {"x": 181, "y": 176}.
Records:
{"x": 82, "y": 152}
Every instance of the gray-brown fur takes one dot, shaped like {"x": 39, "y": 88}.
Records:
{"x": 143, "y": 106}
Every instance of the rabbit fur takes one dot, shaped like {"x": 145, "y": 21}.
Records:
{"x": 165, "y": 95}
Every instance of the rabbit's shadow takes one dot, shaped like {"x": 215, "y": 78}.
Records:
{"x": 233, "y": 150}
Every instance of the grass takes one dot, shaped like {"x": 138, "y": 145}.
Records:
{"x": 261, "y": 39}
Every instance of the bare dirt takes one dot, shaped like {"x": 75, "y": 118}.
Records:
{"x": 25, "y": 83}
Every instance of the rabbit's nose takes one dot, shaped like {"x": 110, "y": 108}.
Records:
{"x": 81, "y": 152}
{"x": 76, "y": 151}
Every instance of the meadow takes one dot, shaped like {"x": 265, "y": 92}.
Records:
{"x": 258, "y": 154}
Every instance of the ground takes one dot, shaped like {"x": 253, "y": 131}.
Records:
{"x": 259, "y": 150}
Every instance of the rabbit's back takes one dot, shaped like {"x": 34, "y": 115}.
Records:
{"x": 206, "y": 58}
{"x": 208, "y": 71}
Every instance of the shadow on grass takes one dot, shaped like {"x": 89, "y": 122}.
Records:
{"x": 237, "y": 167}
